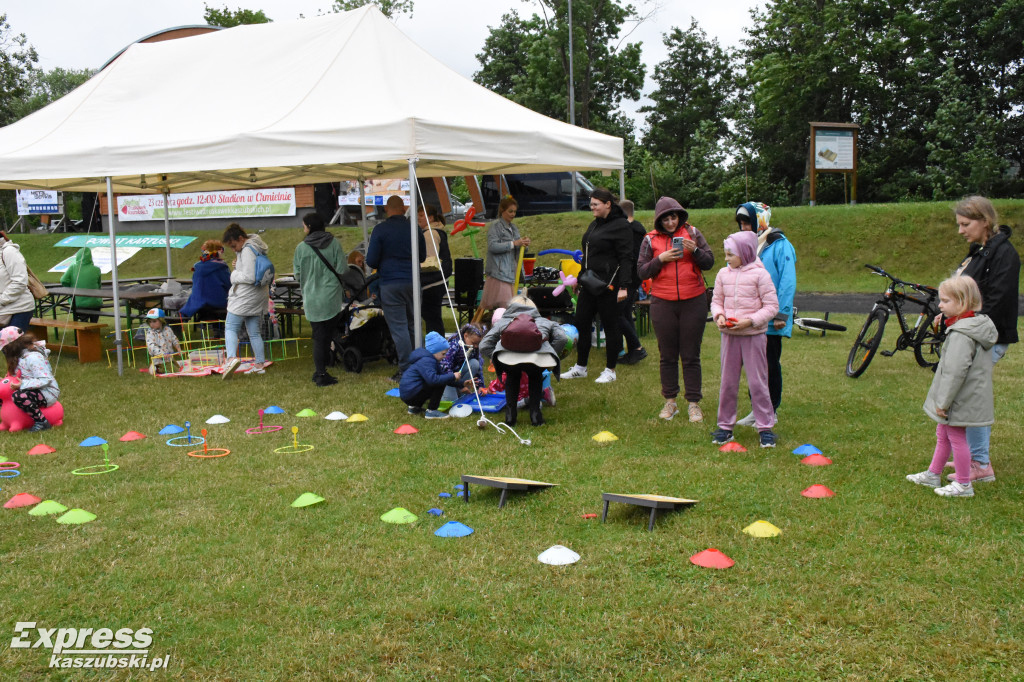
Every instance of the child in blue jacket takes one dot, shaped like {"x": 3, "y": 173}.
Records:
{"x": 423, "y": 380}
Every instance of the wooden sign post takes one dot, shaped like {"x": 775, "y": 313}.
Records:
{"x": 834, "y": 150}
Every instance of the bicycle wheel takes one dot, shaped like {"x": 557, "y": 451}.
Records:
{"x": 817, "y": 323}
{"x": 928, "y": 346}
{"x": 867, "y": 342}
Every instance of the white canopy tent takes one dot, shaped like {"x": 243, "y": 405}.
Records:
{"x": 329, "y": 98}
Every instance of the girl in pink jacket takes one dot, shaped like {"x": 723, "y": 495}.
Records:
{"x": 743, "y": 305}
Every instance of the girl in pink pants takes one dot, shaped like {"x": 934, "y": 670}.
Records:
{"x": 743, "y": 305}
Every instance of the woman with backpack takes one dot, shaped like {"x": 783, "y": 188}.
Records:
{"x": 16, "y": 300}
{"x": 523, "y": 342}
{"x": 248, "y": 300}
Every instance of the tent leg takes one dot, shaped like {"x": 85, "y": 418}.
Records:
{"x": 111, "y": 218}
{"x": 414, "y": 233}
{"x": 167, "y": 232}
{"x": 362, "y": 208}
{"x": 622, "y": 183}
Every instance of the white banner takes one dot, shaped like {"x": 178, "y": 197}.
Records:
{"x": 232, "y": 203}
{"x": 100, "y": 258}
{"x": 39, "y": 202}
{"x": 376, "y": 191}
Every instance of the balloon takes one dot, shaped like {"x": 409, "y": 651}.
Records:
{"x": 462, "y": 223}
{"x": 497, "y": 316}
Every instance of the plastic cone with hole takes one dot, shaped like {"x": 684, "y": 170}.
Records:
{"x": 76, "y": 517}
{"x": 453, "y": 529}
{"x": 399, "y": 515}
{"x": 47, "y": 507}
{"x": 605, "y": 437}
{"x": 732, "y": 446}
{"x": 130, "y": 436}
{"x": 22, "y": 500}
{"x": 91, "y": 441}
{"x": 307, "y": 500}
{"x": 170, "y": 430}
{"x": 816, "y": 461}
{"x": 336, "y": 416}
{"x": 218, "y": 419}
{"x": 42, "y": 449}
{"x": 711, "y": 558}
{"x": 818, "y": 490}
{"x": 434, "y": 511}
{"x": 274, "y": 409}
{"x": 806, "y": 449}
{"x": 357, "y": 418}
{"x": 762, "y": 529}
{"x": 304, "y": 413}
{"x": 558, "y": 556}
{"x": 406, "y": 430}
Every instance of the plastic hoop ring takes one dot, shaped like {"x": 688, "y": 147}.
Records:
{"x": 293, "y": 449}
{"x": 85, "y": 471}
{"x": 8, "y": 466}
{"x": 194, "y": 440}
{"x": 10, "y": 473}
{"x": 202, "y": 454}
{"x": 257, "y": 430}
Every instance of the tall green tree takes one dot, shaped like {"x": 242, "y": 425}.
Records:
{"x": 528, "y": 60}
{"x": 390, "y": 8}
{"x": 49, "y": 86}
{"x": 17, "y": 60}
{"x": 226, "y": 18}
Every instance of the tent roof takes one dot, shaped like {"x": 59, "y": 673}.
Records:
{"x": 311, "y": 100}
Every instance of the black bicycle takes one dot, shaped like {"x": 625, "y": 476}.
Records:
{"x": 922, "y": 335}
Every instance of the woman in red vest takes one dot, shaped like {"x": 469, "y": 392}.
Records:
{"x": 679, "y": 306}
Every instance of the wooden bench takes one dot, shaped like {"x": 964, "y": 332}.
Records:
{"x": 88, "y": 344}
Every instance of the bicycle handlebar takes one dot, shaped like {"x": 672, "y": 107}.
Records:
{"x": 922, "y": 288}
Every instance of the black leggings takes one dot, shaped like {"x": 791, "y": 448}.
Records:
{"x": 30, "y": 400}
{"x": 323, "y": 334}
{"x": 607, "y": 307}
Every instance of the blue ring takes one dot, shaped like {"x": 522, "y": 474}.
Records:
{"x": 195, "y": 440}
{"x": 7, "y": 473}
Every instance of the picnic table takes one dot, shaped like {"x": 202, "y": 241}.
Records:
{"x": 61, "y": 300}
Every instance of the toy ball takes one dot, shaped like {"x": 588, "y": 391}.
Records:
{"x": 573, "y": 335}
{"x": 497, "y": 316}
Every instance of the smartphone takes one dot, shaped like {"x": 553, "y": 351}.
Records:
{"x": 677, "y": 243}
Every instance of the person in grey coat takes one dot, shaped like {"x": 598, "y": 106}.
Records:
{"x": 515, "y": 364}
{"x": 247, "y": 302}
{"x": 961, "y": 391}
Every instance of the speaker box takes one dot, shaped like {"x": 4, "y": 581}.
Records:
{"x": 545, "y": 300}
{"x": 469, "y": 274}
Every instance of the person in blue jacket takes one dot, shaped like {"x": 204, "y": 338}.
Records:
{"x": 423, "y": 380}
{"x": 779, "y": 259}
{"x": 211, "y": 281}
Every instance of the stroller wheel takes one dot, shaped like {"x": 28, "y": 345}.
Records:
{"x": 353, "y": 360}
{"x": 388, "y": 351}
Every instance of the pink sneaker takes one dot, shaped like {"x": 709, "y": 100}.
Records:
{"x": 979, "y": 474}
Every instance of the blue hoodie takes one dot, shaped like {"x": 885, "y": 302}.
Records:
{"x": 779, "y": 259}
{"x": 423, "y": 371}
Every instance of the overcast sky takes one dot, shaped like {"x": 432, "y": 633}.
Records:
{"x": 86, "y": 33}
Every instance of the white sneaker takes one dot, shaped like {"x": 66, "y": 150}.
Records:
{"x": 577, "y": 372}
{"x": 229, "y": 367}
{"x": 926, "y": 478}
{"x": 749, "y": 420}
{"x": 954, "y": 489}
{"x": 607, "y": 376}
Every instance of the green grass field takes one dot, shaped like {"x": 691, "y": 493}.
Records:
{"x": 884, "y": 581}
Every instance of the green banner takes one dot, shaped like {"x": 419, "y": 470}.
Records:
{"x": 145, "y": 241}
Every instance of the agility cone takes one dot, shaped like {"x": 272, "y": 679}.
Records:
{"x": 130, "y": 436}
{"x": 816, "y": 461}
{"x": 42, "y": 449}
{"x": 22, "y": 500}
{"x": 406, "y": 430}
{"x": 732, "y": 446}
{"x": 807, "y": 449}
{"x": 762, "y": 529}
{"x": 357, "y": 418}
{"x": 818, "y": 490}
{"x": 711, "y": 558}
{"x": 605, "y": 437}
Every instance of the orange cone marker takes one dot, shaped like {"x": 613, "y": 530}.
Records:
{"x": 711, "y": 558}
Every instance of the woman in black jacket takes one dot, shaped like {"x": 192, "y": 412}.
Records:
{"x": 995, "y": 265}
{"x": 608, "y": 253}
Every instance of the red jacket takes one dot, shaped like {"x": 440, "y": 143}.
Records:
{"x": 679, "y": 280}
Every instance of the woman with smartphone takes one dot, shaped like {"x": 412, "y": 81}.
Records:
{"x": 674, "y": 256}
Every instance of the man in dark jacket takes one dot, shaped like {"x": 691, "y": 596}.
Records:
{"x": 390, "y": 253}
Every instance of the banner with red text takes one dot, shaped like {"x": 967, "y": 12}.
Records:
{"x": 232, "y": 203}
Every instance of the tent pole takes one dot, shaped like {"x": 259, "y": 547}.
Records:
{"x": 622, "y": 183}
{"x": 362, "y": 208}
{"x": 111, "y": 217}
{"x": 167, "y": 231}
{"x": 414, "y": 230}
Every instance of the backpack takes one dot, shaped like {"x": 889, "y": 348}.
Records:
{"x": 522, "y": 335}
{"x": 264, "y": 269}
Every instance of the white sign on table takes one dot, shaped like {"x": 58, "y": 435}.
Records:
{"x": 100, "y": 258}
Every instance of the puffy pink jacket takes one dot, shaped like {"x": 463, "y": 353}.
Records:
{"x": 746, "y": 291}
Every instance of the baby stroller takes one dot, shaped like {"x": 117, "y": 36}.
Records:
{"x": 363, "y": 335}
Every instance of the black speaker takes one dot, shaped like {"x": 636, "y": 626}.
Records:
{"x": 469, "y": 274}
{"x": 325, "y": 199}
{"x": 546, "y": 300}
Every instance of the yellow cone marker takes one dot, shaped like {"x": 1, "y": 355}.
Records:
{"x": 762, "y": 529}
{"x": 358, "y": 418}
{"x": 605, "y": 437}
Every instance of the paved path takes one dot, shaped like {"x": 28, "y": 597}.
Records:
{"x": 819, "y": 302}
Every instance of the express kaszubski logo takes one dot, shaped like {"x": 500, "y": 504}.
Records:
{"x": 89, "y": 647}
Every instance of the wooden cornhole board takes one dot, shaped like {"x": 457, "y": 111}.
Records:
{"x": 503, "y": 484}
{"x": 655, "y": 502}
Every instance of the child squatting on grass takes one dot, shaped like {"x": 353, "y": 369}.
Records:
{"x": 161, "y": 343}
{"x": 743, "y": 305}
{"x": 423, "y": 380}
{"x": 961, "y": 391}
{"x": 37, "y": 387}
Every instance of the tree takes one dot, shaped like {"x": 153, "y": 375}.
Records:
{"x": 17, "y": 58}
{"x": 226, "y": 18}
{"x": 528, "y": 60}
{"x": 696, "y": 84}
{"x": 390, "y": 8}
{"x": 49, "y": 86}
